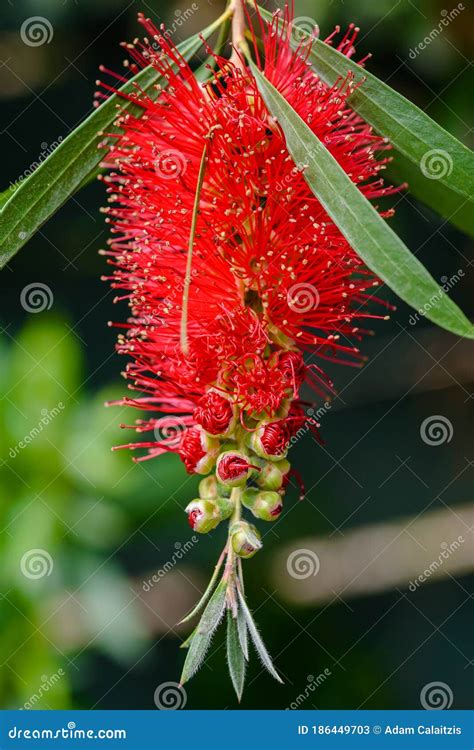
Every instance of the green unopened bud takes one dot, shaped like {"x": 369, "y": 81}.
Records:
{"x": 203, "y": 515}
{"x": 245, "y": 539}
{"x": 272, "y": 474}
{"x": 249, "y": 496}
{"x": 208, "y": 487}
{"x": 225, "y": 507}
{"x": 267, "y": 506}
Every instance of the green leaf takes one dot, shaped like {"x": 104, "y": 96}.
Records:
{"x": 434, "y": 155}
{"x": 73, "y": 162}
{"x": 201, "y": 639}
{"x": 257, "y": 639}
{"x": 214, "y": 610}
{"x": 242, "y": 631}
{"x": 206, "y": 594}
{"x": 370, "y": 235}
{"x": 7, "y": 194}
{"x": 235, "y": 656}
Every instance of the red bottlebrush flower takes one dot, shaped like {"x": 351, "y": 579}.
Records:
{"x": 215, "y": 414}
{"x": 271, "y": 272}
{"x": 233, "y": 270}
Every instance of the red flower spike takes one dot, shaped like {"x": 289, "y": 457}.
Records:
{"x": 272, "y": 276}
{"x": 233, "y": 271}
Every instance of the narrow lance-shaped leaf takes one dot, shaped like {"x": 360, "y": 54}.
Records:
{"x": 207, "y": 592}
{"x": 202, "y": 636}
{"x": 235, "y": 656}
{"x": 71, "y": 164}
{"x": 257, "y": 640}
{"x": 370, "y": 235}
{"x": 440, "y": 169}
{"x": 242, "y": 631}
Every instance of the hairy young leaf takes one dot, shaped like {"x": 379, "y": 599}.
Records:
{"x": 206, "y": 594}
{"x": 235, "y": 656}
{"x": 257, "y": 640}
{"x": 201, "y": 639}
{"x": 72, "y": 163}
{"x": 213, "y": 613}
{"x": 370, "y": 235}
{"x": 243, "y": 632}
{"x": 441, "y": 172}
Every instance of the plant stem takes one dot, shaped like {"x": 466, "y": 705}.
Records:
{"x": 238, "y": 32}
{"x": 230, "y": 562}
{"x": 222, "y": 18}
{"x": 235, "y": 496}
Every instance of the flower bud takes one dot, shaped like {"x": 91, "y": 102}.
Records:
{"x": 208, "y": 487}
{"x": 216, "y": 414}
{"x": 249, "y": 496}
{"x": 198, "y": 451}
{"x": 233, "y": 469}
{"x": 267, "y": 506}
{"x": 245, "y": 539}
{"x": 270, "y": 441}
{"x": 203, "y": 515}
{"x": 225, "y": 506}
{"x": 273, "y": 473}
